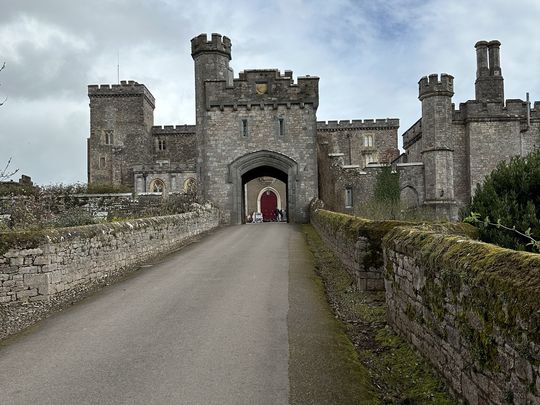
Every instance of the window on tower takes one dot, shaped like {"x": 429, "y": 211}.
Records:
{"x": 281, "y": 128}
{"x": 108, "y": 137}
{"x": 162, "y": 145}
{"x": 368, "y": 141}
{"x": 245, "y": 130}
{"x": 348, "y": 197}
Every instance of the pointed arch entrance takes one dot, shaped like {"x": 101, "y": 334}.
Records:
{"x": 259, "y": 164}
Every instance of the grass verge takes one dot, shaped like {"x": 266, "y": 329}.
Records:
{"x": 399, "y": 374}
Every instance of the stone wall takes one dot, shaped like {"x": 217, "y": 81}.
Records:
{"x": 471, "y": 308}
{"x": 53, "y": 266}
{"x": 357, "y": 243}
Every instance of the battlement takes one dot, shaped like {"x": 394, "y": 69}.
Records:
{"x": 173, "y": 130}
{"x": 513, "y": 109}
{"x": 412, "y": 135}
{"x": 217, "y": 44}
{"x": 343, "y": 125}
{"x": 262, "y": 87}
{"x": 433, "y": 85}
{"x": 128, "y": 88}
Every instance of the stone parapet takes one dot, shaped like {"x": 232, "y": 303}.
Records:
{"x": 52, "y": 266}
{"x": 124, "y": 89}
{"x": 344, "y": 125}
{"x": 262, "y": 87}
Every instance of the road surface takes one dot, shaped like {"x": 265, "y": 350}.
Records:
{"x": 235, "y": 318}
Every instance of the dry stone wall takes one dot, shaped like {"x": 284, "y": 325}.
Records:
{"x": 48, "y": 267}
{"x": 471, "y": 308}
{"x": 357, "y": 243}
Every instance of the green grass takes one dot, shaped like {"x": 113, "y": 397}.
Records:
{"x": 396, "y": 370}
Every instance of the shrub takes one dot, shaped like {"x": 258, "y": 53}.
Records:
{"x": 509, "y": 198}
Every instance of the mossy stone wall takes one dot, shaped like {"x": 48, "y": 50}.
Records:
{"x": 471, "y": 308}
{"x": 357, "y": 243}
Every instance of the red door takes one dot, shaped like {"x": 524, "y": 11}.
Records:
{"x": 268, "y": 205}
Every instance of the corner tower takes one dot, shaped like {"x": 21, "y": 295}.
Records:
{"x": 438, "y": 157}
{"x": 489, "y": 85}
{"x": 121, "y": 118}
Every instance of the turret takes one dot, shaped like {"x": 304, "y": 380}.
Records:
{"x": 211, "y": 63}
{"x": 436, "y": 96}
{"x": 211, "y": 60}
{"x": 436, "y": 93}
{"x": 489, "y": 85}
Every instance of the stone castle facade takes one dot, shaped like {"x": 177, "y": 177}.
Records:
{"x": 448, "y": 151}
{"x": 257, "y": 135}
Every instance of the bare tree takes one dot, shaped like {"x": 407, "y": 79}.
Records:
{"x": 2, "y": 68}
{"x": 7, "y": 172}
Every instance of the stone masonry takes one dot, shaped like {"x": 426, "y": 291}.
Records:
{"x": 449, "y": 151}
{"x": 260, "y": 124}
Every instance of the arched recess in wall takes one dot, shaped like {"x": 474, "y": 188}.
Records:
{"x": 157, "y": 186}
{"x": 409, "y": 197}
{"x": 273, "y": 190}
{"x": 258, "y": 164}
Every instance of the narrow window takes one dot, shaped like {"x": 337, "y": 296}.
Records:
{"x": 161, "y": 144}
{"x": 245, "y": 128}
{"x": 108, "y": 137}
{"x": 281, "y": 122}
{"x": 102, "y": 162}
{"x": 368, "y": 141}
{"x": 348, "y": 197}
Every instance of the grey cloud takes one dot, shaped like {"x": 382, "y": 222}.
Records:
{"x": 369, "y": 56}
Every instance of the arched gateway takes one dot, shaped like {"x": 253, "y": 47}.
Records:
{"x": 259, "y": 164}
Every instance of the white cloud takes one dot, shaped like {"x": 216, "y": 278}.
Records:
{"x": 369, "y": 56}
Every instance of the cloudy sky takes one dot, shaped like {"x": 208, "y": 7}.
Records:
{"x": 369, "y": 55}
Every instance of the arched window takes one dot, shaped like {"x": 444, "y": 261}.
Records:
{"x": 190, "y": 185}
{"x": 157, "y": 186}
{"x": 368, "y": 141}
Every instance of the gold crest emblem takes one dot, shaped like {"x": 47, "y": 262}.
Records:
{"x": 261, "y": 88}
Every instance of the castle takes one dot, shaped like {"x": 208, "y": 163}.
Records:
{"x": 449, "y": 151}
{"x": 257, "y": 145}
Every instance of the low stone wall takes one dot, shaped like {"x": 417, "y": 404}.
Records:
{"x": 357, "y": 243}
{"x": 40, "y": 270}
{"x": 471, "y": 308}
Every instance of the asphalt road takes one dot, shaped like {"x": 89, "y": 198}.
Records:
{"x": 210, "y": 324}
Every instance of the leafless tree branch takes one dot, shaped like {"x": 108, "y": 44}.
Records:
{"x": 6, "y": 173}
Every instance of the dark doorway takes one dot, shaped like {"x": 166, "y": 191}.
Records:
{"x": 268, "y": 198}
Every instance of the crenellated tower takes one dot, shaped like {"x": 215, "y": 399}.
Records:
{"x": 489, "y": 85}
{"x": 121, "y": 118}
{"x": 436, "y": 93}
{"x": 211, "y": 59}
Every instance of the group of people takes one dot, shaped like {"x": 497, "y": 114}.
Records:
{"x": 278, "y": 215}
